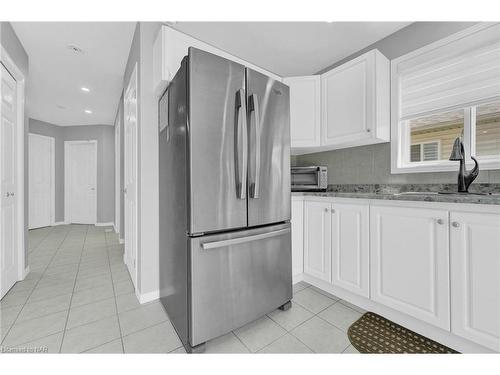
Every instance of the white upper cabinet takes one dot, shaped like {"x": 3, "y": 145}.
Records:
{"x": 356, "y": 102}
{"x": 305, "y": 113}
{"x": 350, "y": 247}
{"x": 410, "y": 262}
{"x": 171, "y": 46}
{"x": 475, "y": 277}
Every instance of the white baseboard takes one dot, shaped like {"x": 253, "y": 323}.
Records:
{"x": 121, "y": 241}
{"x": 59, "y": 223}
{"x": 25, "y": 272}
{"x": 297, "y": 278}
{"x": 110, "y": 224}
{"x": 148, "y": 297}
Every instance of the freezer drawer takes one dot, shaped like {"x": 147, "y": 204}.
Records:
{"x": 237, "y": 278}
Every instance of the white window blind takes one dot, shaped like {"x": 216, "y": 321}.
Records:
{"x": 457, "y": 74}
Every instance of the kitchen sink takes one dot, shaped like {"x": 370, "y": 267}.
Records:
{"x": 417, "y": 193}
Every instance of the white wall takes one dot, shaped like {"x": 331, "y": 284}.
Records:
{"x": 141, "y": 52}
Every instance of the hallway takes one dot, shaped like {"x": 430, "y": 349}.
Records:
{"x": 78, "y": 297}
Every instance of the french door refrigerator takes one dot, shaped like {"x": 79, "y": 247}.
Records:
{"x": 225, "y": 247}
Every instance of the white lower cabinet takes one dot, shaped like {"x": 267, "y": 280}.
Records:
{"x": 410, "y": 262}
{"x": 317, "y": 240}
{"x": 475, "y": 277}
{"x": 297, "y": 237}
{"x": 435, "y": 263}
{"x": 350, "y": 247}
{"x": 336, "y": 244}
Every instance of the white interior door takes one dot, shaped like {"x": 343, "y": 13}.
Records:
{"x": 130, "y": 177}
{"x": 80, "y": 181}
{"x": 117, "y": 176}
{"x": 8, "y": 184}
{"x": 41, "y": 181}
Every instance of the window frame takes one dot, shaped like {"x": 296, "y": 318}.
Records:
{"x": 400, "y": 134}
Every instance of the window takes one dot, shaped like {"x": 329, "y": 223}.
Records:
{"x": 424, "y": 151}
{"x": 446, "y": 90}
{"x": 436, "y": 134}
{"x": 487, "y": 132}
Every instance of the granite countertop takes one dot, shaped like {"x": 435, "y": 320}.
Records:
{"x": 415, "y": 192}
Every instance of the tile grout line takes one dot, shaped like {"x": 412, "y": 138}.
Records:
{"x": 304, "y": 322}
{"x": 72, "y": 293}
{"x": 29, "y": 295}
{"x": 114, "y": 293}
{"x": 240, "y": 340}
{"x": 315, "y": 315}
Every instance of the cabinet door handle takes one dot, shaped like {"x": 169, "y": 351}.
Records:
{"x": 332, "y": 211}
{"x": 326, "y": 209}
{"x": 456, "y": 224}
{"x": 440, "y": 221}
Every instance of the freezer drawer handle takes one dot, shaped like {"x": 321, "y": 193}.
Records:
{"x": 235, "y": 241}
{"x": 241, "y": 145}
{"x": 253, "y": 104}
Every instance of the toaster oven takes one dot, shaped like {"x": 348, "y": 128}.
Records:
{"x": 314, "y": 178}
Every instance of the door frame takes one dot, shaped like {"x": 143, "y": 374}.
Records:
{"x": 11, "y": 66}
{"x": 132, "y": 85}
{"x": 117, "y": 174}
{"x": 67, "y": 183}
{"x": 52, "y": 175}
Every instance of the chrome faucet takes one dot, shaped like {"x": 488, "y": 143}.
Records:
{"x": 464, "y": 178}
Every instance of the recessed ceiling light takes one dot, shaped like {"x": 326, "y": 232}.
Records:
{"x": 75, "y": 49}
{"x": 85, "y": 89}
{"x": 88, "y": 111}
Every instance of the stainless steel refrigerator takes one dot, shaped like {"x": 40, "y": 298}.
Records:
{"x": 225, "y": 247}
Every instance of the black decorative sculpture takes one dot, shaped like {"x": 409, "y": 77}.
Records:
{"x": 464, "y": 178}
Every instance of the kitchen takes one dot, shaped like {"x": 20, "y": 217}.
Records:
{"x": 400, "y": 245}
{"x": 346, "y": 200}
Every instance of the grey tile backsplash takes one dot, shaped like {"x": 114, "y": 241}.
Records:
{"x": 372, "y": 165}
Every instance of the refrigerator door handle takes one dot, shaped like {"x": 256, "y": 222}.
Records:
{"x": 241, "y": 145}
{"x": 253, "y": 104}
{"x": 240, "y": 240}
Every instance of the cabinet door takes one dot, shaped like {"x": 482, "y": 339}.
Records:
{"x": 305, "y": 122}
{"x": 350, "y": 247}
{"x": 348, "y": 101}
{"x": 317, "y": 239}
{"x": 410, "y": 262}
{"x": 475, "y": 277}
{"x": 297, "y": 237}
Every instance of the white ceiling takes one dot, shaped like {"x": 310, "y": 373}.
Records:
{"x": 57, "y": 74}
{"x": 290, "y": 48}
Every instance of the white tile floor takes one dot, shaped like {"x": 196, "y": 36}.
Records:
{"x": 79, "y": 298}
